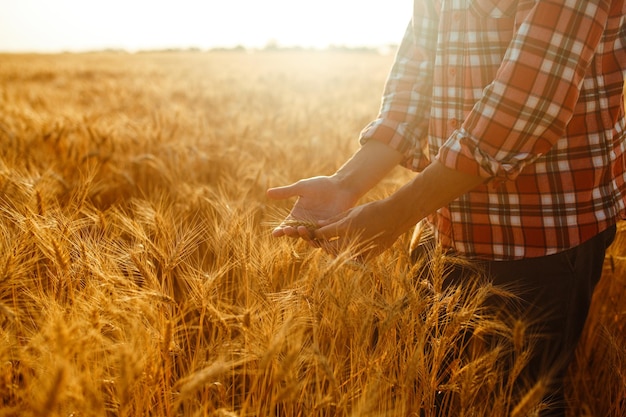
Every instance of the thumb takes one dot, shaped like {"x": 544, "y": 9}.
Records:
{"x": 329, "y": 228}
{"x": 286, "y": 191}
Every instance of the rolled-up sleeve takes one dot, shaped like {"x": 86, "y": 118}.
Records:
{"x": 402, "y": 122}
{"x": 527, "y": 107}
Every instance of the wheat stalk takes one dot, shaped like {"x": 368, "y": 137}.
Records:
{"x": 145, "y": 209}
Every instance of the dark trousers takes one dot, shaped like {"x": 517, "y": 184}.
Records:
{"x": 555, "y": 294}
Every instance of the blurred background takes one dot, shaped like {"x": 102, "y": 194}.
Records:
{"x": 134, "y": 25}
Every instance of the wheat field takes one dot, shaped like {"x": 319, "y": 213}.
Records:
{"x": 138, "y": 276}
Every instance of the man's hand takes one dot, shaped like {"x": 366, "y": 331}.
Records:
{"x": 319, "y": 198}
{"x": 366, "y": 230}
{"x": 322, "y": 198}
{"x": 369, "y": 229}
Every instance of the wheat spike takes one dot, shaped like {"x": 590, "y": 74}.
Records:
{"x": 530, "y": 401}
{"x": 311, "y": 225}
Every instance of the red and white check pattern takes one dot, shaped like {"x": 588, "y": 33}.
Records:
{"x": 527, "y": 94}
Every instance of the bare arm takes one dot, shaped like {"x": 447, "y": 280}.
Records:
{"x": 320, "y": 198}
{"x": 376, "y": 225}
{"x": 430, "y": 190}
{"x": 367, "y": 167}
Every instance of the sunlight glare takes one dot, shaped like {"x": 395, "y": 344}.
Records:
{"x": 74, "y": 25}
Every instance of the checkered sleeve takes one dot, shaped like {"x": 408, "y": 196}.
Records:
{"x": 402, "y": 122}
{"x": 527, "y": 107}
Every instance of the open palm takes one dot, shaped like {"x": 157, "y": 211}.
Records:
{"x": 319, "y": 198}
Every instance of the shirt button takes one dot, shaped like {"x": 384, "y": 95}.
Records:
{"x": 453, "y": 123}
{"x": 452, "y": 72}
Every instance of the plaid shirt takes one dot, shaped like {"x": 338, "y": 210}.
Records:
{"x": 527, "y": 94}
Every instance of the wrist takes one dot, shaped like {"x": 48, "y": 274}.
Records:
{"x": 404, "y": 206}
{"x": 348, "y": 185}
{"x": 430, "y": 190}
{"x": 369, "y": 164}
{"x": 346, "y": 188}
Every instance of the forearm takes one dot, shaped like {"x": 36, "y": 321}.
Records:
{"x": 369, "y": 164}
{"x": 374, "y": 226}
{"x": 431, "y": 189}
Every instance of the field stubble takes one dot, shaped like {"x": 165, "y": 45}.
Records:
{"x": 138, "y": 275}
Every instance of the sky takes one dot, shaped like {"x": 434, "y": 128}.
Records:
{"x": 132, "y": 25}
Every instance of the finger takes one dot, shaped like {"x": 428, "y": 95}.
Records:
{"x": 291, "y": 227}
{"x": 328, "y": 239}
{"x": 286, "y": 232}
{"x": 278, "y": 232}
{"x": 335, "y": 219}
{"x": 283, "y": 230}
{"x": 331, "y": 228}
{"x": 281, "y": 193}
{"x": 328, "y": 232}
{"x": 291, "y": 232}
{"x": 305, "y": 233}
{"x": 308, "y": 237}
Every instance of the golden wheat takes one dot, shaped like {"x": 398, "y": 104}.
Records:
{"x": 311, "y": 225}
{"x": 138, "y": 275}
